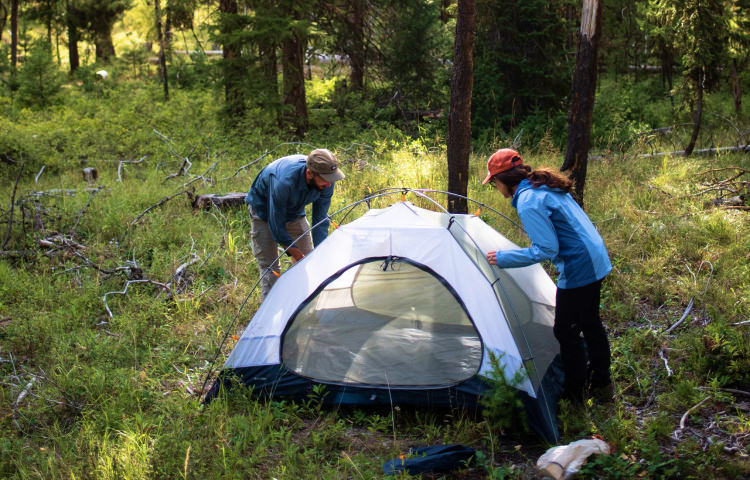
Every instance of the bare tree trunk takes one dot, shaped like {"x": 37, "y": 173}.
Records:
{"x": 73, "y": 57}
{"x": 268, "y": 68}
{"x": 582, "y": 94}
{"x": 294, "y": 83}
{"x": 3, "y": 19}
{"x": 459, "y": 121}
{"x": 105, "y": 49}
{"x": 357, "y": 55}
{"x": 162, "y": 52}
{"x": 736, "y": 88}
{"x": 666, "y": 54}
{"x": 233, "y": 96}
{"x": 14, "y": 34}
{"x": 697, "y": 116}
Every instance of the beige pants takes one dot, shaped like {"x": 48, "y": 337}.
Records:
{"x": 266, "y": 250}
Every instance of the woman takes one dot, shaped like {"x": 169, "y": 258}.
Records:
{"x": 560, "y": 231}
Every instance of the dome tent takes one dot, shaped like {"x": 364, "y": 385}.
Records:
{"x": 401, "y": 307}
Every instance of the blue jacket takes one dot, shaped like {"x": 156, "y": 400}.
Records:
{"x": 559, "y": 231}
{"x": 279, "y": 195}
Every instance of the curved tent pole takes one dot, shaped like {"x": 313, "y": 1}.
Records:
{"x": 266, "y": 272}
{"x": 378, "y": 194}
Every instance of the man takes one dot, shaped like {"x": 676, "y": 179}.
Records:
{"x": 276, "y": 202}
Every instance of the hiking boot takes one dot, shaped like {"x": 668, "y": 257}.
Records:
{"x": 603, "y": 394}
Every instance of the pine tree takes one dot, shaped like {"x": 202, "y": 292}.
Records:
{"x": 700, "y": 38}
{"x": 521, "y": 65}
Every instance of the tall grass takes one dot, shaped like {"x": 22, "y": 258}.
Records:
{"x": 116, "y": 397}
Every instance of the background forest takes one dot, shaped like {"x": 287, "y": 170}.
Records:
{"x": 117, "y": 291}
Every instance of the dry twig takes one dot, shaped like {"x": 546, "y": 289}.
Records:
{"x": 119, "y": 166}
{"x": 163, "y": 286}
{"x": 690, "y": 410}
{"x": 684, "y": 316}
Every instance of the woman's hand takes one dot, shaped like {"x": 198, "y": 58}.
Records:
{"x": 492, "y": 257}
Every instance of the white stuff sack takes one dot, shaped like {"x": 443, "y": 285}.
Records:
{"x": 564, "y": 461}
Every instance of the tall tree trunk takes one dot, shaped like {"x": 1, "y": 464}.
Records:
{"x": 73, "y": 57}
{"x": 444, "y": 11}
{"x": 162, "y": 52}
{"x": 233, "y": 95}
{"x": 269, "y": 74}
{"x": 357, "y": 54}
{"x": 3, "y": 19}
{"x": 105, "y": 49}
{"x": 697, "y": 115}
{"x": 667, "y": 61}
{"x": 582, "y": 94}
{"x": 736, "y": 88}
{"x": 294, "y": 83}
{"x": 459, "y": 121}
{"x": 14, "y": 34}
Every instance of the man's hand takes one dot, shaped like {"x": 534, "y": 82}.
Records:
{"x": 492, "y": 257}
{"x": 296, "y": 253}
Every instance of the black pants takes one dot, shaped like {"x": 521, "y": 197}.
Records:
{"x": 576, "y": 312}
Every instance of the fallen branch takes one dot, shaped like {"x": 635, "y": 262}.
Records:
{"x": 163, "y": 286}
{"x": 703, "y": 151}
{"x": 132, "y": 271}
{"x": 268, "y": 152}
{"x": 157, "y": 204}
{"x": 58, "y": 241}
{"x": 12, "y": 207}
{"x": 210, "y": 180}
{"x": 36, "y": 179}
{"x": 85, "y": 207}
{"x": 179, "y": 279}
{"x": 664, "y": 358}
{"x": 691, "y": 409}
{"x": 60, "y": 191}
{"x": 184, "y": 169}
{"x": 739, "y": 324}
{"x": 684, "y": 316}
{"x": 23, "y": 393}
{"x": 17, "y": 253}
{"x": 210, "y": 200}
{"x": 119, "y": 166}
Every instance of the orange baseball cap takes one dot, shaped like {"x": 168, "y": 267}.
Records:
{"x": 500, "y": 161}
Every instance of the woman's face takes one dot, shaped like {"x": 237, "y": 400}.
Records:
{"x": 502, "y": 188}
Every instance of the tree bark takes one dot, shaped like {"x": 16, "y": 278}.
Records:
{"x": 233, "y": 96}
{"x": 459, "y": 120}
{"x": 697, "y": 116}
{"x": 357, "y": 53}
{"x": 3, "y": 19}
{"x": 105, "y": 49}
{"x": 268, "y": 69}
{"x": 162, "y": 50}
{"x": 582, "y": 94}
{"x": 72, "y": 42}
{"x": 14, "y": 34}
{"x": 736, "y": 88}
{"x": 666, "y": 53}
{"x": 294, "y": 83}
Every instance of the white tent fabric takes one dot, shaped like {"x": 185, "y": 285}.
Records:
{"x": 501, "y": 304}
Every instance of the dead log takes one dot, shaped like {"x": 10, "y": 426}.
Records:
{"x": 210, "y": 200}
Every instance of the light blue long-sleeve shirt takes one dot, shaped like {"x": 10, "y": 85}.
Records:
{"x": 559, "y": 231}
{"x": 279, "y": 194}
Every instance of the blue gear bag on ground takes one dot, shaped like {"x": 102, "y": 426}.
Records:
{"x": 436, "y": 458}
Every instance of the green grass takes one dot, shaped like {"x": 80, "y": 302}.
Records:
{"x": 116, "y": 397}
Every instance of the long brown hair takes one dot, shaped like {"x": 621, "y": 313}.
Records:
{"x": 541, "y": 176}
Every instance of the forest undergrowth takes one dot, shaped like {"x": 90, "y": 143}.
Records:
{"x": 116, "y": 294}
